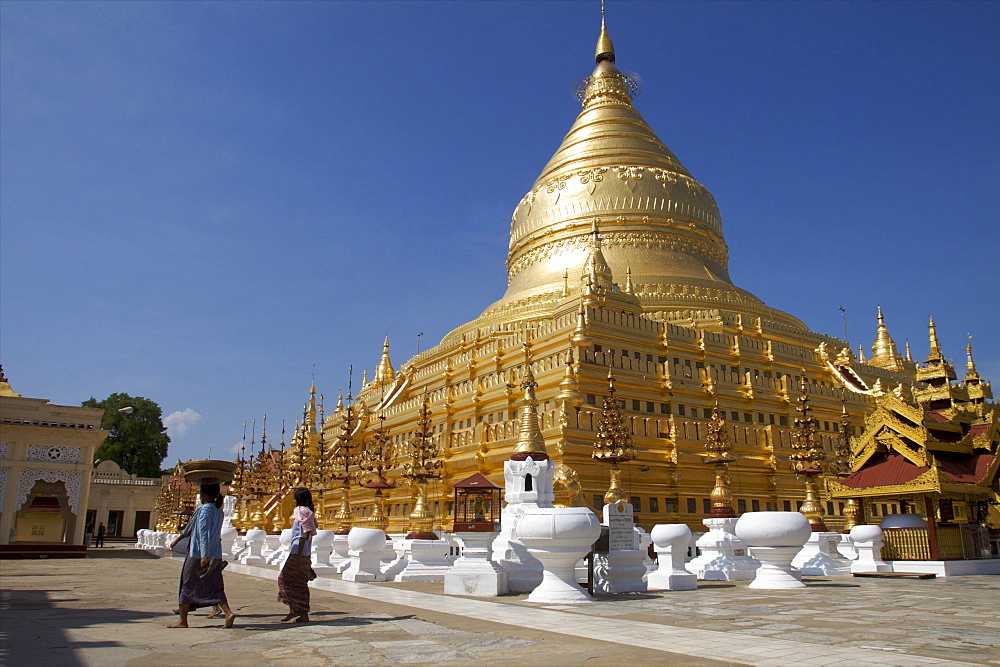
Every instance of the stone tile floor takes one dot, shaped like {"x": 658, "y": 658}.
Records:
{"x": 112, "y": 611}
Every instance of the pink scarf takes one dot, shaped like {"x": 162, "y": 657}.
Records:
{"x": 306, "y": 519}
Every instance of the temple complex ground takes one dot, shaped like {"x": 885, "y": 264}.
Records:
{"x": 113, "y": 608}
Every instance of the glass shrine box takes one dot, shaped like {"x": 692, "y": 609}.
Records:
{"x": 477, "y": 505}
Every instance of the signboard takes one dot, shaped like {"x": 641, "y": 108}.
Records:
{"x": 621, "y": 532}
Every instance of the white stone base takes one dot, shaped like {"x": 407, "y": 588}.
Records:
{"x": 253, "y": 554}
{"x": 558, "y": 585}
{"x": 340, "y": 558}
{"x": 819, "y": 557}
{"x": 723, "y": 556}
{"x": 775, "y": 570}
{"x": 365, "y": 553}
{"x": 420, "y": 560}
{"x": 620, "y": 572}
{"x": 524, "y": 572}
{"x": 947, "y": 568}
{"x": 671, "y": 576}
{"x": 473, "y": 573}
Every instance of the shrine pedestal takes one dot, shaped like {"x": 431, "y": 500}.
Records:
{"x": 322, "y": 548}
{"x": 867, "y": 542}
{"x": 622, "y": 568}
{"x": 279, "y": 555}
{"x": 524, "y": 571}
{"x": 670, "y": 543}
{"x": 340, "y": 558}
{"x": 473, "y": 573}
{"x": 420, "y": 560}
{"x": 365, "y": 555}
{"x": 819, "y": 556}
{"x": 723, "y": 555}
{"x": 253, "y": 554}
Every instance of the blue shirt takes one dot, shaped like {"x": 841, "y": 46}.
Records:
{"x": 206, "y": 532}
{"x": 297, "y": 538}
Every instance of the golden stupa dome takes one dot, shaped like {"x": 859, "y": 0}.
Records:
{"x": 655, "y": 219}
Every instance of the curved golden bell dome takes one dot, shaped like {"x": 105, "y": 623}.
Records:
{"x": 655, "y": 218}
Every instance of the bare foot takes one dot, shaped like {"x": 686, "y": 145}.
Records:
{"x": 178, "y": 624}
{"x": 215, "y": 613}
{"x": 177, "y": 611}
{"x": 288, "y": 618}
{"x": 230, "y": 619}
{"x": 303, "y": 618}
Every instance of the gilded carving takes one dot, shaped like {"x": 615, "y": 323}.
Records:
{"x": 628, "y": 172}
{"x": 650, "y": 240}
{"x": 587, "y": 175}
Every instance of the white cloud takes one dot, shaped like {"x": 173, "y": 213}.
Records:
{"x": 235, "y": 449}
{"x": 180, "y": 422}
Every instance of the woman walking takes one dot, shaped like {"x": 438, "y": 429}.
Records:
{"x": 293, "y": 582}
{"x": 201, "y": 577}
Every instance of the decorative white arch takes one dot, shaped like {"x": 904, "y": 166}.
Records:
{"x": 71, "y": 478}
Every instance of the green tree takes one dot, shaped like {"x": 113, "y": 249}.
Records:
{"x": 138, "y": 440}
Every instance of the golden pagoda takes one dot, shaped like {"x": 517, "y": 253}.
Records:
{"x": 614, "y": 205}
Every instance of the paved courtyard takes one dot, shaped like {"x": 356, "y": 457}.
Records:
{"x": 112, "y": 610}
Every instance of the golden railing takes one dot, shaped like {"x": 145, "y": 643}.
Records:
{"x": 956, "y": 542}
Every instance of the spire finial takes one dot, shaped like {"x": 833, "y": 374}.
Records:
{"x": 384, "y": 373}
{"x": 969, "y": 364}
{"x": 605, "y": 49}
{"x": 935, "y": 353}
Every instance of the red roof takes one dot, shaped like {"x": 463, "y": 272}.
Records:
{"x": 884, "y": 470}
{"x": 477, "y": 481}
{"x": 978, "y": 429}
{"x": 965, "y": 468}
{"x": 938, "y": 417}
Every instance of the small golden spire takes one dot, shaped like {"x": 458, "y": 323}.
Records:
{"x": 861, "y": 353}
{"x": 935, "y": 353}
{"x": 565, "y": 292}
{"x": 970, "y": 365}
{"x": 596, "y": 274}
{"x": 579, "y": 337}
{"x": 909, "y": 357}
{"x": 628, "y": 281}
{"x": 884, "y": 353}
{"x": 529, "y": 433}
{"x": 605, "y": 49}
{"x": 310, "y": 415}
{"x": 384, "y": 373}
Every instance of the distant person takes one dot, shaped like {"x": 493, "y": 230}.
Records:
{"x": 201, "y": 577}
{"x": 100, "y": 536}
{"x": 88, "y": 535}
{"x": 293, "y": 582}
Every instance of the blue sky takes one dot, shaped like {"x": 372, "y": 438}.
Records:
{"x": 201, "y": 200}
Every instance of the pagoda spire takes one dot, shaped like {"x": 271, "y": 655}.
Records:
{"x": 596, "y": 276}
{"x": 935, "y": 353}
{"x": 311, "y": 411}
{"x": 970, "y": 365}
{"x": 605, "y": 49}
{"x": 384, "y": 373}
{"x": 529, "y": 433}
{"x": 884, "y": 352}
